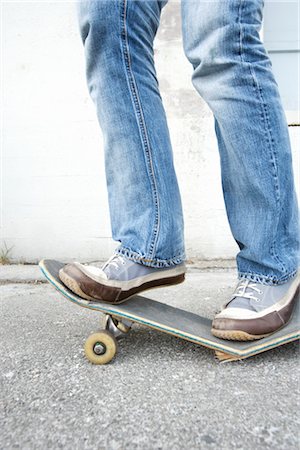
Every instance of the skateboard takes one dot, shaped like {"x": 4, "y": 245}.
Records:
{"x": 101, "y": 347}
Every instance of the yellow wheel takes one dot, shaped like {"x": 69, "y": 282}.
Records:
{"x": 100, "y": 348}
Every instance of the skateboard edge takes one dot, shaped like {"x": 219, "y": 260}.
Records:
{"x": 227, "y": 357}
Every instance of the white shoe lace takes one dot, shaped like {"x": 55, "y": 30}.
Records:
{"x": 241, "y": 290}
{"x": 114, "y": 261}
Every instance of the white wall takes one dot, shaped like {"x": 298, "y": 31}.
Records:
{"x": 282, "y": 41}
{"x": 54, "y": 200}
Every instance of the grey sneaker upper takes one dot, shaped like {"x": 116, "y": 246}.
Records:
{"x": 120, "y": 268}
{"x": 256, "y": 296}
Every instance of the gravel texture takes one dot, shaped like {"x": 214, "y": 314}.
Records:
{"x": 159, "y": 392}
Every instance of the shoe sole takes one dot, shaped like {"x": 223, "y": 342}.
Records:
{"x": 237, "y": 335}
{"x": 75, "y": 287}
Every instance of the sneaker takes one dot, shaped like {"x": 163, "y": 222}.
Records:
{"x": 256, "y": 310}
{"x": 118, "y": 279}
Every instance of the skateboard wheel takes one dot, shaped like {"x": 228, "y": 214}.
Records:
{"x": 100, "y": 348}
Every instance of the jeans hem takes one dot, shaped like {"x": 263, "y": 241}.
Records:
{"x": 271, "y": 280}
{"x": 155, "y": 262}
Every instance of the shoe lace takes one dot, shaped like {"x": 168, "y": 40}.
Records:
{"x": 114, "y": 261}
{"x": 241, "y": 288}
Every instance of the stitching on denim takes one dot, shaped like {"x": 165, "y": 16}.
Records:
{"x": 143, "y": 259}
{"x": 141, "y": 124}
{"x": 268, "y": 134}
{"x": 265, "y": 279}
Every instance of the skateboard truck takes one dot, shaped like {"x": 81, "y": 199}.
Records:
{"x": 118, "y": 327}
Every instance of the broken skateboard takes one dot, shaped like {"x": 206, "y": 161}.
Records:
{"x": 101, "y": 347}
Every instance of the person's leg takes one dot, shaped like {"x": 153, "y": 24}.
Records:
{"x": 144, "y": 198}
{"x": 233, "y": 74}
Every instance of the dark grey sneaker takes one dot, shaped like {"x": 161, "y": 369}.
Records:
{"x": 256, "y": 310}
{"x": 118, "y": 279}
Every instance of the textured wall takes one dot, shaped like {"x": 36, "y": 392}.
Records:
{"x": 54, "y": 200}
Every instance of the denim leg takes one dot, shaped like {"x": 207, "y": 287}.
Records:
{"x": 144, "y": 199}
{"x": 233, "y": 74}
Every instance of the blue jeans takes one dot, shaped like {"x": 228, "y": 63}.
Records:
{"x": 233, "y": 74}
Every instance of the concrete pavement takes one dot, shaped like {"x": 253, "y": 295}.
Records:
{"x": 158, "y": 393}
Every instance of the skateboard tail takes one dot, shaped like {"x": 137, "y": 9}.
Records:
{"x": 227, "y": 357}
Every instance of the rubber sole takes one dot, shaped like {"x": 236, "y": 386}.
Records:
{"x": 237, "y": 335}
{"x": 74, "y": 286}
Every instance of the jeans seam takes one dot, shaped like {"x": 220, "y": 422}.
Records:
{"x": 266, "y": 120}
{"x": 136, "y": 102}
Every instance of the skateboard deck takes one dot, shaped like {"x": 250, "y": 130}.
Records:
{"x": 162, "y": 317}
